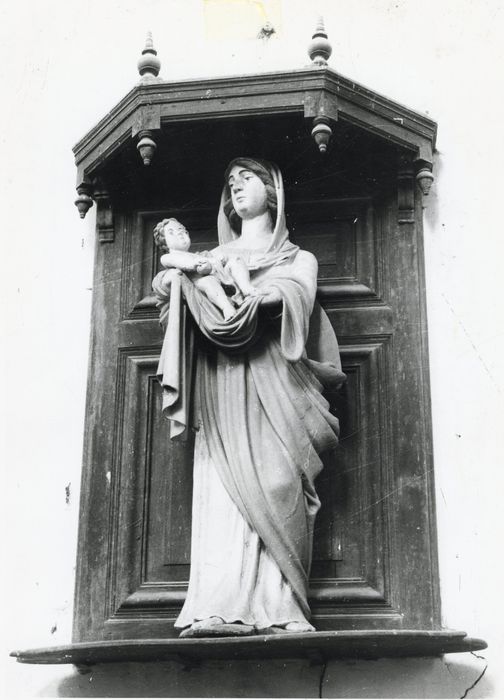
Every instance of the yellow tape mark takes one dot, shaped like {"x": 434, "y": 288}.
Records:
{"x": 240, "y": 19}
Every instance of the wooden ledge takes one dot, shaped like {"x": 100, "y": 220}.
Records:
{"x": 318, "y": 646}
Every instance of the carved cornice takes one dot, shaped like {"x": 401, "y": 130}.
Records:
{"x": 267, "y": 93}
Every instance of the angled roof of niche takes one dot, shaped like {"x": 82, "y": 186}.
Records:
{"x": 316, "y": 92}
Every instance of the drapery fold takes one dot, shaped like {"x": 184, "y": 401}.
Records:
{"x": 175, "y": 365}
{"x": 263, "y": 413}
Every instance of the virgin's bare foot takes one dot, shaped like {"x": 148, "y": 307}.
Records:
{"x": 299, "y": 627}
{"x": 216, "y": 627}
{"x": 207, "y": 622}
{"x": 289, "y": 628}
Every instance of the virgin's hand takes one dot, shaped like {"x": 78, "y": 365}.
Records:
{"x": 271, "y": 297}
{"x": 204, "y": 268}
{"x": 166, "y": 278}
{"x": 171, "y": 273}
{"x": 161, "y": 284}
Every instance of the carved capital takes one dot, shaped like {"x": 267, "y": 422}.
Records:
{"x": 147, "y": 118}
{"x": 321, "y": 104}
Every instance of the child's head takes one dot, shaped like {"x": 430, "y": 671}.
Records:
{"x": 170, "y": 234}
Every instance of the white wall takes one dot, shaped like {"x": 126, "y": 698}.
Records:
{"x": 65, "y": 64}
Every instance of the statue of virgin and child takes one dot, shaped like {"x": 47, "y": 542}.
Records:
{"x": 247, "y": 374}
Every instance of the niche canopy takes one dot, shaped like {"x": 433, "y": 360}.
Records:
{"x": 317, "y": 93}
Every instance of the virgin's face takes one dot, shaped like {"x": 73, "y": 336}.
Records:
{"x": 248, "y": 193}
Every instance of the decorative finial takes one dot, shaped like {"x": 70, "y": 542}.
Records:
{"x": 319, "y": 48}
{"x": 83, "y": 202}
{"x": 146, "y": 146}
{"x": 149, "y": 44}
{"x": 321, "y": 133}
{"x": 148, "y": 63}
{"x": 425, "y": 178}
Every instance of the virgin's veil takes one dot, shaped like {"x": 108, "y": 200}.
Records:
{"x": 280, "y": 233}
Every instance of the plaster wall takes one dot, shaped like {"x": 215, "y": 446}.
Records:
{"x": 64, "y": 65}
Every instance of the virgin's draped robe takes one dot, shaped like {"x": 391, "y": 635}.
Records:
{"x": 263, "y": 426}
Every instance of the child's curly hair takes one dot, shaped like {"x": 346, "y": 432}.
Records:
{"x": 159, "y": 235}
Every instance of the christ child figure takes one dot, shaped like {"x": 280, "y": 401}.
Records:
{"x": 174, "y": 242}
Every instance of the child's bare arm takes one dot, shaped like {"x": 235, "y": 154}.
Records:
{"x": 182, "y": 260}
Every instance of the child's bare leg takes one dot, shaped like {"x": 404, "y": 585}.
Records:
{"x": 213, "y": 290}
{"x": 241, "y": 276}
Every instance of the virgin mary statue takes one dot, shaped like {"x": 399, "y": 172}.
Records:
{"x": 261, "y": 420}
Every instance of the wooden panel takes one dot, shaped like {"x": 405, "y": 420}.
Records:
{"x": 168, "y": 498}
{"x": 353, "y": 521}
{"x": 100, "y": 440}
{"x": 340, "y": 233}
{"x": 150, "y": 559}
{"x": 152, "y": 525}
{"x": 350, "y": 565}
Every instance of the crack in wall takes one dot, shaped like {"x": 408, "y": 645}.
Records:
{"x": 321, "y": 680}
{"x": 471, "y": 687}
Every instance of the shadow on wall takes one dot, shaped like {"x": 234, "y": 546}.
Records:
{"x": 385, "y": 678}
{"x": 431, "y": 203}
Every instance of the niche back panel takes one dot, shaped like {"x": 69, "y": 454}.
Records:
{"x": 150, "y": 525}
{"x": 138, "y": 579}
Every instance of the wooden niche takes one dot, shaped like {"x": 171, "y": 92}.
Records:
{"x": 358, "y": 208}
